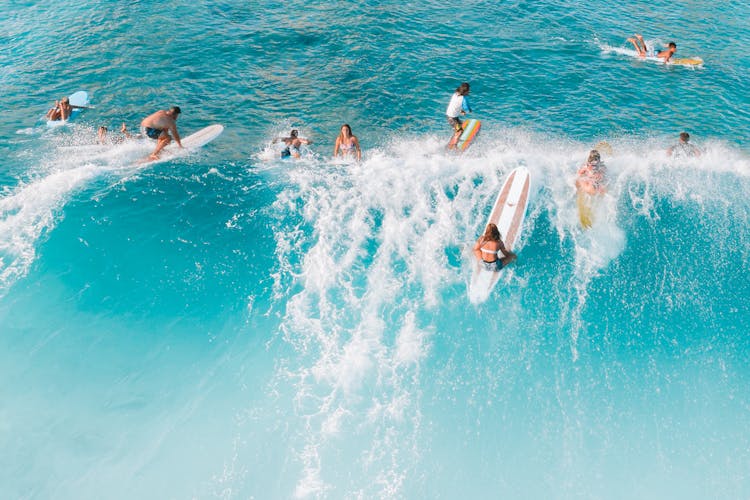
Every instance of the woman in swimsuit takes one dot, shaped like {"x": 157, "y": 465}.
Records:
{"x": 347, "y": 143}
{"x": 489, "y": 248}
{"x": 591, "y": 175}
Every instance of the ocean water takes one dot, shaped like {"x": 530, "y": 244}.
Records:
{"x": 230, "y": 325}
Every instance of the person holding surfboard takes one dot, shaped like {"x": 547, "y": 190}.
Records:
{"x": 591, "y": 176}
{"x": 644, "y": 51}
{"x": 489, "y": 248}
{"x": 458, "y": 105}
{"x": 347, "y": 143}
{"x": 293, "y": 142}
{"x": 158, "y": 125}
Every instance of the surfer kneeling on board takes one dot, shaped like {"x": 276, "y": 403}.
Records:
{"x": 489, "y": 248}
{"x": 292, "y": 144}
{"x": 458, "y": 105}
{"x": 644, "y": 51}
{"x": 158, "y": 125}
{"x": 591, "y": 176}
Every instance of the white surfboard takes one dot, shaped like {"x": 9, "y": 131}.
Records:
{"x": 189, "y": 144}
{"x": 80, "y": 98}
{"x": 508, "y": 214}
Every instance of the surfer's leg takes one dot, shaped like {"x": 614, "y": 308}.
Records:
{"x": 164, "y": 139}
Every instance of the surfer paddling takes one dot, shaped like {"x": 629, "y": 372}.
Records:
{"x": 490, "y": 250}
{"x": 591, "y": 176}
{"x": 458, "y": 105}
{"x": 645, "y": 51}
{"x": 158, "y": 126}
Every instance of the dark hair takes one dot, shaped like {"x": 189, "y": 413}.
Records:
{"x": 348, "y": 128}
{"x": 594, "y": 156}
{"x": 294, "y": 132}
{"x": 492, "y": 233}
{"x": 684, "y": 136}
{"x": 672, "y": 45}
{"x": 463, "y": 89}
{"x": 175, "y": 110}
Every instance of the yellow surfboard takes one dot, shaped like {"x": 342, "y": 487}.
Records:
{"x": 585, "y": 209}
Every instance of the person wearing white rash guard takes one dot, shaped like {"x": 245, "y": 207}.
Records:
{"x": 459, "y": 105}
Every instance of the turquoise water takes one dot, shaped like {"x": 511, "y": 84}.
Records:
{"x": 231, "y": 325}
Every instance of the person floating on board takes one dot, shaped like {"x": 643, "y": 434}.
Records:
{"x": 458, "y": 105}
{"x": 592, "y": 175}
{"x": 103, "y": 138}
{"x": 347, "y": 144}
{"x": 644, "y": 51}
{"x": 158, "y": 125}
{"x": 293, "y": 142}
{"x": 684, "y": 148}
{"x": 490, "y": 250}
{"x": 61, "y": 110}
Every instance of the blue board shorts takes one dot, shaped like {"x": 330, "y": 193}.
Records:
{"x": 152, "y": 133}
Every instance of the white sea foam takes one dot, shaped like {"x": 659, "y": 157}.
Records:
{"x": 368, "y": 254}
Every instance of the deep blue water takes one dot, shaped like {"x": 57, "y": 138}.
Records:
{"x": 232, "y": 325}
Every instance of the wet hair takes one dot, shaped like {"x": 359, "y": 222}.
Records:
{"x": 672, "y": 45}
{"x": 684, "y": 136}
{"x": 348, "y": 128}
{"x": 463, "y": 89}
{"x": 65, "y": 99}
{"x": 594, "y": 156}
{"x": 294, "y": 133}
{"x": 491, "y": 233}
{"x": 103, "y": 129}
{"x": 175, "y": 110}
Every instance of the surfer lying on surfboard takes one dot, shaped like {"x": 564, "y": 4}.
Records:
{"x": 645, "y": 51}
{"x": 458, "y": 105}
{"x": 591, "y": 176}
{"x": 489, "y": 248}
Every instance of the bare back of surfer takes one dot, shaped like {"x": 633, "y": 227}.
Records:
{"x": 158, "y": 126}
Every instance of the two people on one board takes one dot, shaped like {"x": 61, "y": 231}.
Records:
{"x": 458, "y": 105}
{"x": 346, "y": 145}
{"x": 158, "y": 125}
{"x": 645, "y": 51}
{"x": 61, "y": 110}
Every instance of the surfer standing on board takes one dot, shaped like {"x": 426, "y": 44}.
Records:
{"x": 591, "y": 176}
{"x": 458, "y": 105}
{"x": 644, "y": 51}
{"x": 489, "y": 248}
{"x": 347, "y": 144}
{"x": 158, "y": 125}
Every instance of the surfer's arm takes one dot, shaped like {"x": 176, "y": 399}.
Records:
{"x": 465, "y": 106}
{"x": 477, "y": 248}
{"x": 336, "y": 146}
{"x": 176, "y": 134}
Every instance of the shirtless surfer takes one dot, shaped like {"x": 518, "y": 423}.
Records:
{"x": 293, "y": 143}
{"x": 61, "y": 110}
{"x": 158, "y": 125}
{"x": 644, "y": 51}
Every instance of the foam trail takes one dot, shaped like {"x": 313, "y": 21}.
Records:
{"x": 34, "y": 207}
